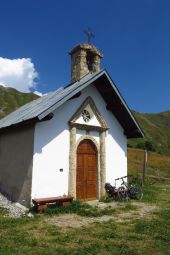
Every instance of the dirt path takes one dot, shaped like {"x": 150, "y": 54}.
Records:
{"x": 75, "y": 221}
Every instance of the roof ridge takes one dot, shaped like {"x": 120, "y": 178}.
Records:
{"x": 42, "y": 106}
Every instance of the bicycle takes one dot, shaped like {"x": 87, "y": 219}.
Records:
{"x": 132, "y": 191}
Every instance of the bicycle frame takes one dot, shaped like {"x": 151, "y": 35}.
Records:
{"x": 131, "y": 191}
{"x": 125, "y": 184}
{"x": 124, "y": 191}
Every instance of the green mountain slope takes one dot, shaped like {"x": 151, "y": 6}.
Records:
{"x": 157, "y": 132}
{"x": 155, "y": 126}
{"x": 11, "y": 99}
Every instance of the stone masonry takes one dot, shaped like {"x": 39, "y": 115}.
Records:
{"x": 85, "y": 58}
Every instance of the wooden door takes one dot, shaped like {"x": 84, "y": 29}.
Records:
{"x": 86, "y": 178}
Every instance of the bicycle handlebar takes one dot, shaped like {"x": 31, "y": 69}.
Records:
{"x": 121, "y": 178}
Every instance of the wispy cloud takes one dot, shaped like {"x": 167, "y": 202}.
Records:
{"x": 39, "y": 93}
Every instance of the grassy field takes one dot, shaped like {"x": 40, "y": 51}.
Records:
{"x": 147, "y": 235}
{"x": 157, "y": 165}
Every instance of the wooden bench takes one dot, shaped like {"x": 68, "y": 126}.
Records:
{"x": 42, "y": 203}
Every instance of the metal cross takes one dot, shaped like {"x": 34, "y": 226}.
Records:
{"x": 89, "y": 34}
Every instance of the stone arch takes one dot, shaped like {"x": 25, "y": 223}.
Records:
{"x": 72, "y": 181}
{"x": 101, "y": 166}
{"x": 88, "y": 137}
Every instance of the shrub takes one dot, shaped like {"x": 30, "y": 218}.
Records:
{"x": 145, "y": 146}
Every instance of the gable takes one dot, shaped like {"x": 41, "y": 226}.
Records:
{"x": 87, "y": 116}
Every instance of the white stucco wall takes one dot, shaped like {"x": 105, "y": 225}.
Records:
{"x": 51, "y": 147}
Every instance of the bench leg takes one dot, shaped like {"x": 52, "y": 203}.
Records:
{"x": 68, "y": 203}
{"x": 40, "y": 208}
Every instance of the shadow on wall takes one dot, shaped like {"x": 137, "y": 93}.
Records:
{"x": 48, "y": 130}
{"x": 16, "y": 151}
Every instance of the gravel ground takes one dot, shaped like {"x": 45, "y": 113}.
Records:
{"x": 14, "y": 209}
{"x": 75, "y": 221}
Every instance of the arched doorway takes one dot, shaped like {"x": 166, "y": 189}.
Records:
{"x": 86, "y": 176}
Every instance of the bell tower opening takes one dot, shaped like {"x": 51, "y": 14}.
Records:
{"x": 90, "y": 61}
{"x": 85, "y": 58}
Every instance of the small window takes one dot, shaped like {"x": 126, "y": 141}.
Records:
{"x": 86, "y": 116}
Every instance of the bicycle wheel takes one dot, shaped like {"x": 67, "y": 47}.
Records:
{"x": 122, "y": 194}
{"x": 136, "y": 193}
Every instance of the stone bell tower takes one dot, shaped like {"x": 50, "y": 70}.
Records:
{"x": 85, "y": 58}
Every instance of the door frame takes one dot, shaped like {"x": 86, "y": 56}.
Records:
{"x": 100, "y": 143}
{"x": 101, "y": 162}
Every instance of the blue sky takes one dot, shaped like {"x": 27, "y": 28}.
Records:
{"x": 133, "y": 35}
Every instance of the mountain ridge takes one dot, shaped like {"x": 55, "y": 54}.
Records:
{"x": 156, "y": 126}
{"x": 11, "y": 99}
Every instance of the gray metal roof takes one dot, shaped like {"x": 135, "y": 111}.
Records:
{"x": 42, "y": 106}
